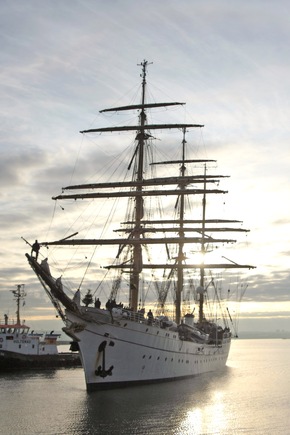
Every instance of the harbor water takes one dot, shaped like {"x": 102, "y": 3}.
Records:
{"x": 250, "y": 396}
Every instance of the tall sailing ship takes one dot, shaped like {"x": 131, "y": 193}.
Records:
{"x": 140, "y": 340}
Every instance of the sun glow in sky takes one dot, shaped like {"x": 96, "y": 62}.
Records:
{"x": 62, "y": 62}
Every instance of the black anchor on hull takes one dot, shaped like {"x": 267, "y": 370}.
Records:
{"x": 101, "y": 370}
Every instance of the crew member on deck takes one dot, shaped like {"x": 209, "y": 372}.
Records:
{"x": 97, "y": 303}
{"x": 150, "y": 317}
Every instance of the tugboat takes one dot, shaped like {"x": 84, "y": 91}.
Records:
{"x": 22, "y": 349}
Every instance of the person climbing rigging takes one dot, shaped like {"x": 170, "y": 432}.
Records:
{"x": 35, "y": 249}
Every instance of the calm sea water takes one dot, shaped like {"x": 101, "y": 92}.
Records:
{"x": 250, "y": 396}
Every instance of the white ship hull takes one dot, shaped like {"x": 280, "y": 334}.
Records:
{"x": 128, "y": 352}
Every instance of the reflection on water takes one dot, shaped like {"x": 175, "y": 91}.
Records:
{"x": 251, "y": 395}
{"x": 209, "y": 419}
{"x": 171, "y": 408}
{"x": 57, "y": 399}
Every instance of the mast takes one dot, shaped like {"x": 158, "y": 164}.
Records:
{"x": 19, "y": 295}
{"x": 201, "y": 283}
{"x": 137, "y": 248}
{"x": 181, "y": 255}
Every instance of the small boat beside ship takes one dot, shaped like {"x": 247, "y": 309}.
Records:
{"x": 162, "y": 241}
{"x": 21, "y": 348}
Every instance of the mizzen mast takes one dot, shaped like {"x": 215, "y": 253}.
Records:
{"x": 203, "y": 251}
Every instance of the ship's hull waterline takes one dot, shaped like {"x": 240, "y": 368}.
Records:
{"x": 117, "y": 354}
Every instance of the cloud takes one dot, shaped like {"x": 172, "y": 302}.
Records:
{"x": 17, "y": 163}
{"x": 61, "y": 63}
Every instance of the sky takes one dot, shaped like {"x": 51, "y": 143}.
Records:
{"x": 63, "y": 61}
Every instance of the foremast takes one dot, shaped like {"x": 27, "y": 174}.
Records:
{"x": 139, "y": 210}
